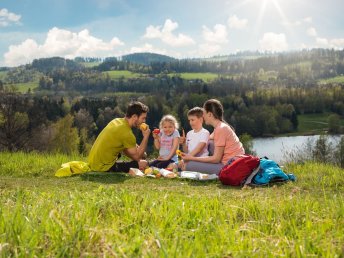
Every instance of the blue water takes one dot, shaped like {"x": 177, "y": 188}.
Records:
{"x": 276, "y": 147}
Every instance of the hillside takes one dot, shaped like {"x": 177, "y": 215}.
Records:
{"x": 147, "y": 58}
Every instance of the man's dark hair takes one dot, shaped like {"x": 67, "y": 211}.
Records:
{"x": 196, "y": 111}
{"x": 136, "y": 108}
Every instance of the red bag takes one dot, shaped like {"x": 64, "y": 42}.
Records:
{"x": 238, "y": 169}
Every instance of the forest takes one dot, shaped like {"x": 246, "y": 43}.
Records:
{"x": 71, "y": 101}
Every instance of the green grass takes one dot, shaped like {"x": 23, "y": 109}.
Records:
{"x": 266, "y": 76}
{"x": 203, "y": 76}
{"x": 337, "y": 79}
{"x": 314, "y": 123}
{"x": 123, "y": 74}
{"x": 115, "y": 215}
{"x": 24, "y": 87}
{"x": 2, "y": 75}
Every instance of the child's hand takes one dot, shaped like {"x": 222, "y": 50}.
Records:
{"x": 185, "y": 157}
{"x": 155, "y": 136}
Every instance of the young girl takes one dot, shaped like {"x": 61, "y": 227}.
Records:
{"x": 167, "y": 142}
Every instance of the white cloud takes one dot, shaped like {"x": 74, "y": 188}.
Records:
{"x": 236, "y": 23}
{"x": 219, "y": 35}
{"x": 308, "y": 19}
{"x": 62, "y": 43}
{"x": 291, "y": 24}
{"x": 330, "y": 43}
{"x": 312, "y": 32}
{"x": 273, "y": 42}
{"x": 165, "y": 34}
{"x": 322, "y": 41}
{"x": 337, "y": 43}
{"x": 147, "y": 48}
{"x": 7, "y": 18}
{"x": 208, "y": 49}
{"x": 304, "y": 46}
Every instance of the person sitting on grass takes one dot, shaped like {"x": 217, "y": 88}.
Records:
{"x": 167, "y": 142}
{"x": 226, "y": 142}
{"x": 196, "y": 141}
{"x": 115, "y": 138}
{"x": 118, "y": 137}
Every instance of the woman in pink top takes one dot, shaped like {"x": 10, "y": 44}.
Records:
{"x": 226, "y": 142}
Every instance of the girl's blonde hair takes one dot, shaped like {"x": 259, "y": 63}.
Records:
{"x": 171, "y": 119}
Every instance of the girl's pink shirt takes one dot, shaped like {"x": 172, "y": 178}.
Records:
{"x": 224, "y": 136}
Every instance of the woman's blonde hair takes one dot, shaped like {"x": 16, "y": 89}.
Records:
{"x": 171, "y": 119}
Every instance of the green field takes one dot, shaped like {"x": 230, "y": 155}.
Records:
{"x": 337, "y": 79}
{"x": 266, "y": 76}
{"x": 24, "y": 87}
{"x": 314, "y": 123}
{"x": 115, "y": 215}
{"x": 123, "y": 74}
{"x": 193, "y": 76}
{"x": 2, "y": 75}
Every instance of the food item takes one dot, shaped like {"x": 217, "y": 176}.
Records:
{"x": 148, "y": 171}
{"x": 155, "y": 171}
{"x": 156, "y": 131}
{"x": 143, "y": 126}
{"x": 167, "y": 173}
{"x": 135, "y": 172}
{"x": 179, "y": 153}
{"x": 158, "y": 175}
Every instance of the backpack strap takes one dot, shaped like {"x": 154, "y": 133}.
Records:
{"x": 251, "y": 176}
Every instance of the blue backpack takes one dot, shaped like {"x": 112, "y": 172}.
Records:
{"x": 270, "y": 172}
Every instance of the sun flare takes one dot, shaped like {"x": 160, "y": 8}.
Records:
{"x": 276, "y": 4}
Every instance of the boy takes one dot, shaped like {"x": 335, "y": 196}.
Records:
{"x": 196, "y": 141}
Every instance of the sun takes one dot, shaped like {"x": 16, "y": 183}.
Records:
{"x": 262, "y": 11}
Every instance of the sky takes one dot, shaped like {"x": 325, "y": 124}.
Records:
{"x": 31, "y": 29}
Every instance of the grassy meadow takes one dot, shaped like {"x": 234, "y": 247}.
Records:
{"x": 203, "y": 76}
{"x": 122, "y": 74}
{"x": 337, "y": 79}
{"x": 314, "y": 123}
{"x": 108, "y": 214}
{"x": 2, "y": 75}
{"x": 24, "y": 87}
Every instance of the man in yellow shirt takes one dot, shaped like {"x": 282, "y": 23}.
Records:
{"x": 118, "y": 137}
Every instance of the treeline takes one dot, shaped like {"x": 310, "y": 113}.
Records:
{"x": 44, "y": 123}
{"x": 310, "y": 64}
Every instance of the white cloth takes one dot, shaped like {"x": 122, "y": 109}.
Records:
{"x": 194, "y": 138}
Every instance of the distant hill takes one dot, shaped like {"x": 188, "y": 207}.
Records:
{"x": 147, "y": 58}
{"x": 48, "y": 64}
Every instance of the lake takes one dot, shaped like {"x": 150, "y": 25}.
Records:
{"x": 274, "y": 148}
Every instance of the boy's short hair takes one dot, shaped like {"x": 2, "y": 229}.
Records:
{"x": 196, "y": 111}
{"x": 136, "y": 108}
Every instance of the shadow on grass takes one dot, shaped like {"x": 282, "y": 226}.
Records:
{"x": 105, "y": 177}
{"x": 272, "y": 184}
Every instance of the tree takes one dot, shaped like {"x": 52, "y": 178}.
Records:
{"x": 323, "y": 150}
{"x": 14, "y": 122}
{"x": 339, "y": 153}
{"x": 247, "y": 142}
{"x": 334, "y": 124}
{"x": 66, "y": 138}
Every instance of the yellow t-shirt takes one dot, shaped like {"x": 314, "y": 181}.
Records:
{"x": 114, "y": 138}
